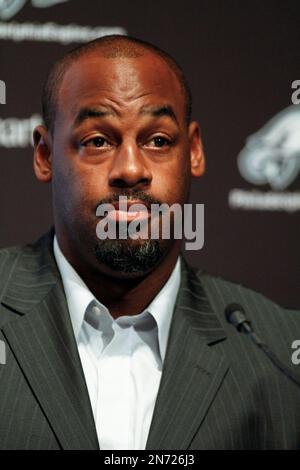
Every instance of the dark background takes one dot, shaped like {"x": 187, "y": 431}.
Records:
{"x": 240, "y": 58}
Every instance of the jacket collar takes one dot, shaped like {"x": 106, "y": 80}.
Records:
{"x": 43, "y": 343}
{"x": 45, "y": 347}
{"x": 193, "y": 370}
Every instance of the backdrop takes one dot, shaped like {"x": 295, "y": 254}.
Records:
{"x": 242, "y": 61}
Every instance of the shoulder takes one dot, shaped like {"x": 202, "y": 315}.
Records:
{"x": 16, "y": 260}
{"x": 10, "y": 254}
{"x": 277, "y": 325}
{"x": 251, "y": 300}
{"x": 9, "y": 258}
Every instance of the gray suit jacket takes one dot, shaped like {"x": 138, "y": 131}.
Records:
{"x": 218, "y": 391}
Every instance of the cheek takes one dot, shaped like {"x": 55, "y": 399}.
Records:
{"x": 77, "y": 181}
{"x": 171, "y": 183}
{"x": 69, "y": 194}
{"x": 183, "y": 181}
{"x": 77, "y": 187}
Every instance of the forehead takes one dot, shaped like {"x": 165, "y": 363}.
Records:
{"x": 122, "y": 82}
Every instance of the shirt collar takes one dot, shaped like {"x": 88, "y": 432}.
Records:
{"x": 79, "y": 297}
{"x": 77, "y": 293}
{"x": 162, "y": 307}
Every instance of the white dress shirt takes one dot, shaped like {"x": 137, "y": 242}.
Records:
{"x": 121, "y": 358}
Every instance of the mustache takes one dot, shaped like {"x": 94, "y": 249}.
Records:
{"x": 142, "y": 196}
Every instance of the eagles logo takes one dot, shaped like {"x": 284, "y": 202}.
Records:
{"x": 272, "y": 155}
{"x": 9, "y": 8}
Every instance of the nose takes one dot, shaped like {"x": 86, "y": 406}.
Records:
{"x": 129, "y": 168}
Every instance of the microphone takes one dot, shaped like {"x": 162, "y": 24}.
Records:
{"x": 235, "y": 315}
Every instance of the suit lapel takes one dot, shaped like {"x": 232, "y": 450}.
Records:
{"x": 43, "y": 343}
{"x": 39, "y": 332}
{"x": 193, "y": 372}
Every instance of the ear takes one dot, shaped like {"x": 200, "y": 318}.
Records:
{"x": 196, "y": 150}
{"x": 42, "y": 158}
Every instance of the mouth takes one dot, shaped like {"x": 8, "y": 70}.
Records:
{"x": 124, "y": 211}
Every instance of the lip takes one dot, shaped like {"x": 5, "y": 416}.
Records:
{"x": 127, "y": 204}
{"x": 127, "y": 216}
{"x": 122, "y": 211}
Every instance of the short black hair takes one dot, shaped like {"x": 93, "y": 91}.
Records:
{"x": 111, "y": 47}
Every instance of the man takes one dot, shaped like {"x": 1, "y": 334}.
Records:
{"x": 118, "y": 343}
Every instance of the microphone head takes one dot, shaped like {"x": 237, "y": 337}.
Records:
{"x": 235, "y": 315}
{"x": 232, "y": 308}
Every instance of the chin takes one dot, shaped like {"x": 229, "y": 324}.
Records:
{"x": 129, "y": 258}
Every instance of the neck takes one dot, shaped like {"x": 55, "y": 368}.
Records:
{"x": 126, "y": 296}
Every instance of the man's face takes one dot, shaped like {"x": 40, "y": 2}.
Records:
{"x": 120, "y": 130}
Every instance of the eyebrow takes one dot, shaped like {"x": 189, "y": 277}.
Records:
{"x": 87, "y": 113}
{"x": 159, "y": 111}
{"x": 155, "y": 111}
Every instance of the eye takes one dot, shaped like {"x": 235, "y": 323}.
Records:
{"x": 97, "y": 141}
{"x": 159, "y": 142}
